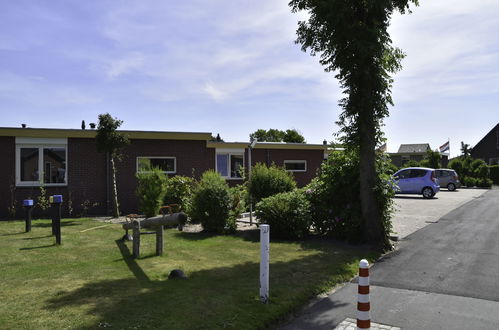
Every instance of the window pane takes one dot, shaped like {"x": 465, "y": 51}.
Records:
{"x": 236, "y": 166}
{"x": 223, "y": 165}
{"x": 165, "y": 164}
{"x": 144, "y": 164}
{"x": 295, "y": 166}
{"x": 29, "y": 164}
{"x": 54, "y": 165}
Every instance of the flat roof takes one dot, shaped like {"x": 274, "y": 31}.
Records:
{"x": 90, "y": 133}
{"x": 266, "y": 145}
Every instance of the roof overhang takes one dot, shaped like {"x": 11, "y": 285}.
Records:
{"x": 266, "y": 145}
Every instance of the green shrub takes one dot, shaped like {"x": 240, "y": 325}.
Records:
{"x": 211, "y": 204}
{"x": 392, "y": 168}
{"x": 267, "y": 181}
{"x": 494, "y": 173}
{"x": 479, "y": 169}
{"x": 151, "y": 190}
{"x": 238, "y": 197}
{"x": 457, "y": 165}
{"x": 334, "y": 197}
{"x": 484, "y": 183}
{"x": 179, "y": 191}
{"x": 288, "y": 214}
{"x": 469, "y": 181}
{"x": 411, "y": 163}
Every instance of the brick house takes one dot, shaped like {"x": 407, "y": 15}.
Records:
{"x": 488, "y": 147}
{"x": 66, "y": 161}
{"x": 414, "y": 152}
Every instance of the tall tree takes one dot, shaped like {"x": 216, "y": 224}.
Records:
{"x": 275, "y": 135}
{"x": 353, "y": 41}
{"x": 111, "y": 141}
{"x": 465, "y": 149}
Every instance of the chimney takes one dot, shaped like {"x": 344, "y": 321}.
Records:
{"x": 23, "y": 125}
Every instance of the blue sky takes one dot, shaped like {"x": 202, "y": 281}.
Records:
{"x": 231, "y": 67}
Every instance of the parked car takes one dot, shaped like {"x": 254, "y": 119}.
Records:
{"x": 417, "y": 180}
{"x": 448, "y": 178}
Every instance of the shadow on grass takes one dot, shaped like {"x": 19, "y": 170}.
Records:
{"x": 64, "y": 223}
{"x": 221, "y": 297}
{"x": 38, "y": 247}
{"x": 12, "y": 234}
{"x": 39, "y": 237}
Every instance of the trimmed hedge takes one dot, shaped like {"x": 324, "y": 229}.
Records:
{"x": 288, "y": 214}
{"x": 494, "y": 173}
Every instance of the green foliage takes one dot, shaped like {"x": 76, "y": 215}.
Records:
{"x": 479, "y": 169}
{"x": 42, "y": 201}
{"x": 275, "y": 135}
{"x": 151, "y": 190}
{"x": 238, "y": 197}
{"x": 391, "y": 168}
{"x": 412, "y": 163}
{"x": 465, "y": 150}
{"x": 107, "y": 138}
{"x": 288, "y": 214}
{"x": 457, "y": 165}
{"x": 484, "y": 183}
{"x": 494, "y": 173}
{"x": 469, "y": 181}
{"x": 211, "y": 204}
{"x": 432, "y": 159}
{"x": 353, "y": 41}
{"x": 334, "y": 196}
{"x": 179, "y": 190}
{"x": 267, "y": 181}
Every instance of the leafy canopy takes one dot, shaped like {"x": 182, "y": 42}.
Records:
{"x": 108, "y": 139}
{"x": 275, "y": 135}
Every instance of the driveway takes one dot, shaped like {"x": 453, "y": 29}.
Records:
{"x": 413, "y": 212}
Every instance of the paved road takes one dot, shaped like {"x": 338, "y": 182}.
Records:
{"x": 444, "y": 276}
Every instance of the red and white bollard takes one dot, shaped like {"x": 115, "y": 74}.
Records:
{"x": 363, "y": 306}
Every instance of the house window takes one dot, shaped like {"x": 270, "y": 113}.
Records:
{"x": 295, "y": 165}
{"x": 230, "y": 165}
{"x": 41, "y": 162}
{"x": 493, "y": 161}
{"x": 166, "y": 164}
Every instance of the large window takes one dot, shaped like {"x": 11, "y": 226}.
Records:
{"x": 41, "y": 162}
{"x": 295, "y": 165}
{"x": 230, "y": 165}
{"x": 167, "y": 164}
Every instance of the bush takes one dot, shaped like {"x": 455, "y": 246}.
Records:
{"x": 411, "y": 163}
{"x": 267, "y": 181}
{"x": 469, "y": 181}
{"x": 484, "y": 183}
{"x": 288, "y": 214}
{"x": 179, "y": 191}
{"x": 494, "y": 173}
{"x": 334, "y": 197}
{"x": 392, "y": 168}
{"x": 211, "y": 204}
{"x": 151, "y": 191}
{"x": 457, "y": 165}
{"x": 238, "y": 197}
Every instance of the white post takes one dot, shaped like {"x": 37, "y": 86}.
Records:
{"x": 264, "y": 262}
{"x": 249, "y": 179}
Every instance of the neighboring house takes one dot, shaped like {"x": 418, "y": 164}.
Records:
{"x": 66, "y": 161}
{"x": 409, "y": 152}
{"x": 414, "y": 152}
{"x": 488, "y": 147}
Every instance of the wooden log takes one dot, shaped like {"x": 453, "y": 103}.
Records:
{"x": 159, "y": 240}
{"x": 176, "y": 219}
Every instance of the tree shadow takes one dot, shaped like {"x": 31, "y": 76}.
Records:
{"x": 415, "y": 197}
{"x": 37, "y": 247}
{"x": 64, "y": 223}
{"x": 221, "y": 297}
{"x": 39, "y": 237}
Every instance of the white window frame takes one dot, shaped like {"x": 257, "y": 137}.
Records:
{"x": 158, "y": 157}
{"x": 230, "y": 153}
{"x": 301, "y": 161}
{"x": 40, "y": 144}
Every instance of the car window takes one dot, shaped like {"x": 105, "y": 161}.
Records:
{"x": 444, "y": 173}
{"x": 416, "y": 173}
{"x": 404, "y": 174}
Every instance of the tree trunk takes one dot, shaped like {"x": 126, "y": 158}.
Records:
{"x": 116, "y": 208}
{"x": 371, "y": 216}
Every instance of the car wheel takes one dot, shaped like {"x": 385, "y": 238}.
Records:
{"x": 428, "y": 192}
{"x": 451, "y": 187}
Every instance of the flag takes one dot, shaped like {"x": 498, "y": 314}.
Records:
{"x": 445, "y": 147}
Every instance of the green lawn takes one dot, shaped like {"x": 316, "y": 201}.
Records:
{"x": 92, "y": 281}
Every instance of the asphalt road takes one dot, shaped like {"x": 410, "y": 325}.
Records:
{"x": 443, "y": 276}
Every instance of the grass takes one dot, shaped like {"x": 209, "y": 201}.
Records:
{"x": 91, "y": 280}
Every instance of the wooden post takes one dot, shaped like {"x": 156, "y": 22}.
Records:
{"x": 56, "y": 201}
{"x": 159, "y": 240}
{"x": 136, "y": 238}
{"x": 28, "y": 207}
